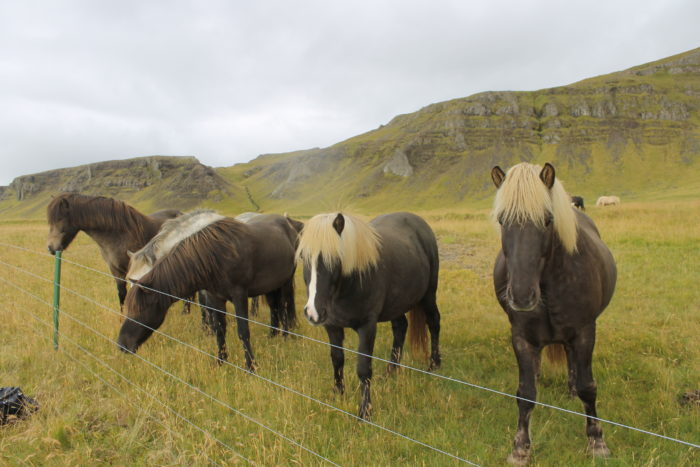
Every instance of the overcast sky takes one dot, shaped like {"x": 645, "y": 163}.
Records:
{"x": 225, "y": 81}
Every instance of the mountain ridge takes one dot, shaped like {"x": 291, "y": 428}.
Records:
{"x": 632, "y": 132}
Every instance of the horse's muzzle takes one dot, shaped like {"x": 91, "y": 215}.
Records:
{"x": 527, "y": 303}
{"x": 315, "y": 317}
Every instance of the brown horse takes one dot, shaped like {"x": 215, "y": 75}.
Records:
{"x": 361, "y": 273}
{"x": 553, "y": 277}
{"x": 115, "y": 226}
{"x": 229, "y": 259}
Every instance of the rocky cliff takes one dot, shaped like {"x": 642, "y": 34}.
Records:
{"x": 613, "y": 133}
{"x": 154, "y": 182}
{"x": 629, "y": 133}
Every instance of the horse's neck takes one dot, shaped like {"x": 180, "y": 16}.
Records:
{"x": 115, "y": 238}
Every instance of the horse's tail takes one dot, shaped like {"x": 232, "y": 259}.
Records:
{"x": 417, "y": 331}
{"x": 555, "y": 353}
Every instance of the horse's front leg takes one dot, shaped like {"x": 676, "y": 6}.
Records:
{"x": 367, "y": 334}
{"x": 528, "y": 357}
{"x": 586, "y": 389}
{"x": 217, "y": 315}
{"x": 240, "y": 303}
{"x": 121, "y": 292}
{"x": 336, "y": 336}
{"x": 571, "y": 365}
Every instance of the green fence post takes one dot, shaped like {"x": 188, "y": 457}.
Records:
{"x": 56, "y": 297}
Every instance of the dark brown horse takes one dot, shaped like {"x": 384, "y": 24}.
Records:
{"x": 359, "y": 274}
{"x": 115, "y": 226}
{"x": 229, "y": 259}
{"x": 553, "y": 277}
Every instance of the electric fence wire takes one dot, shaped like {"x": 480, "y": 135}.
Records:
{"x": 275, "y": 383}
{"x": 180, "y": 380}
{"x": 137, "y": 387}
{"x": 418, "y": 370}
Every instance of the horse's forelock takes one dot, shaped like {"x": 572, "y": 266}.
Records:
{"x": 523, "y": 197}
{"x": 356, "y": 249}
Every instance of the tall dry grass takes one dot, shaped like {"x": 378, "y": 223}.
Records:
{"x": 647, "y": 355}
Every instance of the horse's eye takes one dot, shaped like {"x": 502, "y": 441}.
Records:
{"x": 548, "y": 221}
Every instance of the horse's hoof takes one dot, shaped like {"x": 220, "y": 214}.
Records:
{"x": 339, "y": 388}
{"x": 392, "y": 369}
{"x": 598, "y": 448}
{"x": 434, "y": 365}
{"x": 365, "y": 412}
{"x": 252, "y": 367}
{"x": 519, "y": 456}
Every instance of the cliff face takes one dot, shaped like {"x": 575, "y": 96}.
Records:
{"x": 614, "y": 133}
{"x": 156, "y": 182}
{"x": 627, "y": 133}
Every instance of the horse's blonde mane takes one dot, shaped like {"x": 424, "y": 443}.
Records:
{"x": 171, "y": 233}
{"x": 524, "y": 197}
{"x": 356, "y": 249}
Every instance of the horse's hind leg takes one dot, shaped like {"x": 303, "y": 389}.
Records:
{"x": 335, "y": 337}
{"x": 432, "y": 319}
{"x": 240, "y": 303}
{"x": 398, "y": 328}
{"x": 528, "y": 357}
{"x": 586, "y": 389}
{"x": 186, "y": 308}
{"x": 207, "y": 315}
{"x": 254, "y": 305}
{"x": 274, "y": 301}
{"x": 289, "y": 311}
{"x": 571, "y": 365}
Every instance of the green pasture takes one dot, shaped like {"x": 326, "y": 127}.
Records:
{"x": 647, "y": 356}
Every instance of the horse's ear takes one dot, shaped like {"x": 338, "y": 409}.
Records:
{"x": 339, "y": 223}
{"x": 497, "y": 175}
{"x": 547, "y": 175}
{"x": 130, "y": 254}
{"x": 63, "y": 205}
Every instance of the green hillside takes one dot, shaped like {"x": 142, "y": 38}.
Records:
{"x": 634, "y": 133}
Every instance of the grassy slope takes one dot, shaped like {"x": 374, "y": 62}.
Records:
{"x": 623, "y": 154}
{"x": 647, "y": 354}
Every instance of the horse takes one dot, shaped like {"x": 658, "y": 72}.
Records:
{"x": 553, "y": 277}
{"x": 358, "y": 274}
{"x": 607, "y": 201}
{"x": 577, "y": 202}
{"x": 170, "y": 235}
{"x": 115, "y": 226}
{"x": 229, "y": 259}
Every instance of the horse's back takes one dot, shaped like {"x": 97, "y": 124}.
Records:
{"x": 409, "y": 249}
{"x": 273, "y": 244}
{"x": 165, "y": 214}
{"x": 268, "y": 223}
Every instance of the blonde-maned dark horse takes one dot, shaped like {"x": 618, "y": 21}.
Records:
{"x": 115, "y": 226}
{"x": 553, "y": 277}
{"x": 229, "y": 259}
{"x": 359, "y": 274}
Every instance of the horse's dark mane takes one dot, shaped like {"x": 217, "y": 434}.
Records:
{"x": 97, "y": 212}
{"x": 196, "y": 261}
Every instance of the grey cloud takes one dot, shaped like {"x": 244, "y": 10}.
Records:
{"x": 84, "y": 81}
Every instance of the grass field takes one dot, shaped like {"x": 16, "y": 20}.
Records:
{"x": 647, "y": 356}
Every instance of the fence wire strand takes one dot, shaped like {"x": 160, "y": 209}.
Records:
{"x": 275, "y": 383}
{"x": 182, "y": 381}
{"x": 116, "y": 390}
{"x": 302, "y": 336}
